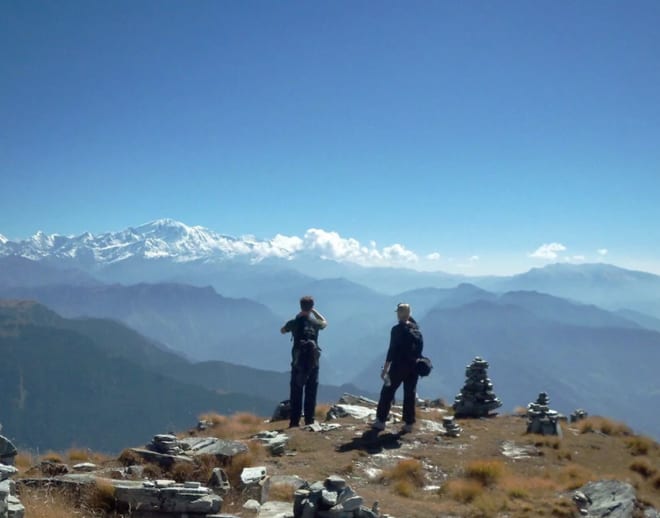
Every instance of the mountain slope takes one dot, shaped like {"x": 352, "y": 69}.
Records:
{"x": 58, "y": 389}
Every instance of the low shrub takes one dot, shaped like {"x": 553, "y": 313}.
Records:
{"x": 129, "y": 458}
{"x": 281, "y": 492}
{"x": 603, "y": 425}
{"x": 404, "y": 488}
{"x": 52, "y": 456}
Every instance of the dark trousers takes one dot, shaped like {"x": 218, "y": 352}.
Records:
{"x": 409, "y": 380}
{"x": 308, "y": 383}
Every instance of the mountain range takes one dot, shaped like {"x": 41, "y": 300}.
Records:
{"x": 587, "y": 334}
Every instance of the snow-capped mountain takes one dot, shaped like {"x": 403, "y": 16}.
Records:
{"x": 160, "y": 239}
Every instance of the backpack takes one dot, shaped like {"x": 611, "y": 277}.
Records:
{"x": 423, "y": 365}
{"x": 306, "y": 352}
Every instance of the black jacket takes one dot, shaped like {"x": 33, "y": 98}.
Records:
{"x": 406, "y": 345}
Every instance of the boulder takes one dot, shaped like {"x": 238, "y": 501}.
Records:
{"x": 7, "y": 451}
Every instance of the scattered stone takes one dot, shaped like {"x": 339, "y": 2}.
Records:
{"x": 540, "y": 419}
{"x": 609, "y": 498}
{"x": 166, "y": 449}
{"x": 52, "y": 469}
{"x": 251, "y": 507}
{"x": 219, "y": 481}
{"x": 275, "y": 442}
{"x": 476, "y": 398}
{"x": 85, "y": 467}
{"x": 282, "y": 411}
{"x": 578, "y": 415}
{"x": 253, "y": 475}
{"x": 450, "y": 427}
{"x": 356, "y": 411}
{"x": 10, "y": 505}
{"x": 276, "y": 509}
{"x": 350, "y": 399}
{"x": 517, "y": 451}
{"x": 332, "y": 498}
{"x": 7, "y": 451}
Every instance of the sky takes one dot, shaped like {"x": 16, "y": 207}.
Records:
{"x": 484, "y": 137}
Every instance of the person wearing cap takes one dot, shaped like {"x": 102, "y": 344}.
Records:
{"x": 406, "y": 345}
{"x": 308, "y": 322}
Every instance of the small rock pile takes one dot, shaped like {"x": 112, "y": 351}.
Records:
{"x": 542, "y": 420}
{"x": 578, "y": 415}
{"x": 10, "y": 505}
{"x": 450, "y": 426}
{"x": 476, "y": 398}
{"x": 332, "y": 498}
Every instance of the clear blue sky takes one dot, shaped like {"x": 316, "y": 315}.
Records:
{"x": 474, "y": 128}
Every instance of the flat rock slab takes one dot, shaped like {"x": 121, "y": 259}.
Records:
{"x": 609, "y": 498}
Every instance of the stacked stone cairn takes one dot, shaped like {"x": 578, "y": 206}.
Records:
{"x": 450, "y": 426}
{"x": 578, "y": 415}
{"x": 332, "y": 498}
{"x": 476, "y": 398}
{"x": 542, "y": 420}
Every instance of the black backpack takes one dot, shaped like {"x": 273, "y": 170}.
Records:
{"x": 306, "y": 352}
{"x": 423, "y": 365}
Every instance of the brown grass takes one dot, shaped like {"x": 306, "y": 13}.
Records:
{"x": 404, "y": 488}
{"x": 574, "y": 476}
{"x": 24, "y": 461}
{"x": 643, "y": 466}
{"x": 101, "y": 496}
{"x": 656, "y": 481}
{"x": 40, "y": 503}
{"x": 486, "y": 472}
{"x": 239, "y": 425}
{"x": 490, "y": 504}
{"x": 409, "y": 470}
{"x": 321, "y": 411}
{"x": 129, "y": 458}
{"x": 184, "y": 472}
{"x": 52, "y": 456}
{"x": 641, "y": 445}
{"x": 462, "y": 490}
{"x": 603, "y": 425}
{"x": 548, "y": 441}
{"x": 525, "y": 487}
{"x": 281, "y": 492}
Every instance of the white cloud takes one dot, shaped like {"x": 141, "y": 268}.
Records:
{"x": 435, "y": 256}
{"x": 330, "y": 245}
{"x": 548, "y": 251}
{"x": 602, "y": 251}
{"x": 474, "y": 259}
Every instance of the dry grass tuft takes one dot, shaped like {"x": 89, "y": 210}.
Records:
{"x": 548, "y": 441}
{"x": 409, "y": 470}
{"x": 183, "y": 471}
{"x": 490, "y": 504}
{"x": 404, "y": 488}
{"x": 52, "y": 456}
{"x": 129, "y": 458}
{"x": 525, "y": 487}
{"x": 462, "y": 490}
{"x": 101, "y": 496}
{"x": 486, "y": 472}
{"x": 574, "y": 476}
{"x": 47, "y": 503}
{"x": 643, "y": 466}
{"x": 152, "y": 471}
{"x": 235, "y": 466}
{"x": 641, "y": 445}
{"x": 563, "y": 509}
{"x": 281, "y": 492}
{"x": 321, "y": 411}
{"x": 236, "y": 426}
{"x": 603, "y": 425}
{"x": 656, "y": 481}
{"x": 24, "y": 461}
{"x": 76, "y": 455}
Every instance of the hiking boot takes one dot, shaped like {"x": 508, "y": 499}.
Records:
{"x": 407, "y": 428}
{"x": 378, "y": 425}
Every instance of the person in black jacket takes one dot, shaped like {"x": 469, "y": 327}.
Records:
{"x": 406, "y": 345}
{"x": 305, "y": 354}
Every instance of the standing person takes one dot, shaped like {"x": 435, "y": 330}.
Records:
{"x": 305, "y": 354}
{"x": 406, "y": 345}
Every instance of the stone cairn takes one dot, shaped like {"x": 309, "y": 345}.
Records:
{"x": 577, "y": 415}
{"x": 542, "y": 420}
{"x": 331, "y": 498}
{"x": 450, "y": 426}
{"x": 476, "y": 398}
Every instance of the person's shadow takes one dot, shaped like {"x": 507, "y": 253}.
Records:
{"x": 372, "y": 441}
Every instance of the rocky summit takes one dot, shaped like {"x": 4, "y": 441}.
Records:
{"x": 242, "y": 465}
